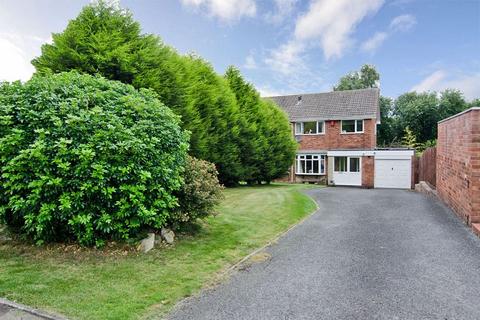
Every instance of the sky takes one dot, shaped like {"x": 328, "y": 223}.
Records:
{"x": 285, "y": 46}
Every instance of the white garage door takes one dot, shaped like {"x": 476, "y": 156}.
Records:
{"x": 393, "y": 173}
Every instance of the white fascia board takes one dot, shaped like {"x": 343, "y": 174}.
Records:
{"x": 350, "y": 153}
{"x": 394, "y": 154}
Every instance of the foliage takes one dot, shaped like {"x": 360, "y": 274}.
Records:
{"x": 409, "y": 139}
{"x": 249, "y": 218}
{"x": 367, "y": 77}
{"x": 386, "y": 129}
{"x": 422, "y": 111}
{"x": 199, "y": 194}
{"x": 104, "y": 39}
{"x": 425, "y": 145}
{"x": 267, "y": 147}
{"x": 86, "y": 159}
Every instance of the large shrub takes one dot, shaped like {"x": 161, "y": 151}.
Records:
{"x": 199, "y": 194}
{"x": 86, "y": 159}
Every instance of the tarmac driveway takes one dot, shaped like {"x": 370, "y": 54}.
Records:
{"x": 365, "y": 254}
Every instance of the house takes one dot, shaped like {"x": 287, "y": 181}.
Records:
{"x": 337, "y": 141}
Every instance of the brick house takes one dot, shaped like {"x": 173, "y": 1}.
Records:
{"x": 337, "y": 141}
{"x": 458, "y": 165}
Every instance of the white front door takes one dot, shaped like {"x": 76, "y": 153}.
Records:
{"x": 347, "y": 171}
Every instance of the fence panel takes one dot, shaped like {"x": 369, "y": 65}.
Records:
{"x": 427, "y": 166}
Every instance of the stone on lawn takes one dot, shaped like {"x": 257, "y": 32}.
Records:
{"x": 167, "y": 235}
{"x": 148, "y": 243}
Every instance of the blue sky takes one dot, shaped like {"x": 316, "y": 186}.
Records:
{"x": 286, "y": 46}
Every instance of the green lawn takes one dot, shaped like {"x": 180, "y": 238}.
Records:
{"x": 88, "y": 284}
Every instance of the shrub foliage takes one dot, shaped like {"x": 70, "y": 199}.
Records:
{"x": 86, "y": 159}
{"x": 199, "y": 194}
{"x": 226, "y": 128}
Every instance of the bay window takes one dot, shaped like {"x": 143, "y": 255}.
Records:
{"x": 310, "y": 164}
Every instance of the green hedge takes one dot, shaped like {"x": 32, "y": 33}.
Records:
{"x": 86, "y": 159}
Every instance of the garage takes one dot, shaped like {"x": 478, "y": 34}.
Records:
{"x": 393, "y": 169}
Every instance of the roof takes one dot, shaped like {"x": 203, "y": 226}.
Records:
{"x": 335, "y": 105}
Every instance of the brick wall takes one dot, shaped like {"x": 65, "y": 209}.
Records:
{"x": 458, "y": 164}
{"x": 334, "y": 139}
{"x": 368, "y": 172}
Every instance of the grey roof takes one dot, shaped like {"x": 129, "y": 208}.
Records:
{"x": 336, "y": 105}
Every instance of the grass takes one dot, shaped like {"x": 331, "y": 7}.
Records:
{"x": 91, "y": 284}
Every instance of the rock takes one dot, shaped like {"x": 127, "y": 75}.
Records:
{"x": 167, "y": 235}
{"x": 148, "y": 243}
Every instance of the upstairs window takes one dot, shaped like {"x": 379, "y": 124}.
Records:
{"x": 352, "y": 126}
{"x": 310, "y": 127}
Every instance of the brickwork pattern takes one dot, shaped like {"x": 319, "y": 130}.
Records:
{"x": 368, "y": 172}
{"x": 458, "y": 164}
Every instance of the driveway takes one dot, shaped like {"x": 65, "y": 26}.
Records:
{"x": 365, "y": 254}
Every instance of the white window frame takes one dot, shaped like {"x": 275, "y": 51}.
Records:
{"x": 355, "y": 122}
{"x": 303, "y": 157}
{"x": 309, "y": 134}
{"x": 348, "y": 164}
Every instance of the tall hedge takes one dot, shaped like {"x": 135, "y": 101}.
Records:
{"x": 225, "y": 129}
{"x": 267, "y": 147}
{"x": 86, "y": 159}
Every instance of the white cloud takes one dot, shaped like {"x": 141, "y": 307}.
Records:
{"x": 268, "y": 92}
{"x": 441, "y": 80}
{"x": 226, "y": 10}
{"x": 398, "y": 24}
{"x": 374, "y": 42}
{"x": 331, "y": 23}
{"x": 250, "y": 62}
{"x": 14, "y": 62}
{"x": 403, "y": 23}
{"x": 287, "y": 59}
{"x": 283, "y": 9}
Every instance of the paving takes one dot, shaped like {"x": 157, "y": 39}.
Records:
{"x": 365, "y": 254}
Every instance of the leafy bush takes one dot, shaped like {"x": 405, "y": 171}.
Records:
{"x": 84, "y": 158}
{"x": 224, "y": 114}
{"x": 200, "y": 193}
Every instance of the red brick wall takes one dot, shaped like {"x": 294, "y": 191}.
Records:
{"x": 368, "y": 172}
{"x": 334, "y": 139}
{"x": 458, "y": 164}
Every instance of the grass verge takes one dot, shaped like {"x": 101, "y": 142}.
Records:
{"x": 89, "y": 284}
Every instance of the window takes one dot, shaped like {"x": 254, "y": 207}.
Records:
{"x": 352, "y": 126}
{"x": 340, "y": 164}
{"x": 346, "y": 164}
{"x": 310, "y": 164}
{"x": 354, "y": 165}
{"x": 311, "y": 127}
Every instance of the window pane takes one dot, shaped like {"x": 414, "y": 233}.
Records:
{"x": 359, "y": 125}
{"x": 309, "y": 166}
{"x": 354, "y": 164}
{"x": 301, "y": 166}
{"x": 309, "y": 127}
{"x": 322, "y": 165}
{"x": 298, "y": 128}
{"x": 320, "y": 126}
{"x": 315, "y": 166}
{"x": 348, "y": 126}
{"x": 340, "y": 164}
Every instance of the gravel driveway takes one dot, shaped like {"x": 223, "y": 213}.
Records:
{"x": 365, "y": 254}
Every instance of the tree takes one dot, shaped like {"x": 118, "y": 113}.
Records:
{"x": 422, "y": 111}
{"x": 386, "y": 129}
{"x": 367, "y": 77}
{"x": 104, "y": 39}
{"x": 266, "y": 143}
{"x": 409, "y": 139}
{"x": 87, "y": 159}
